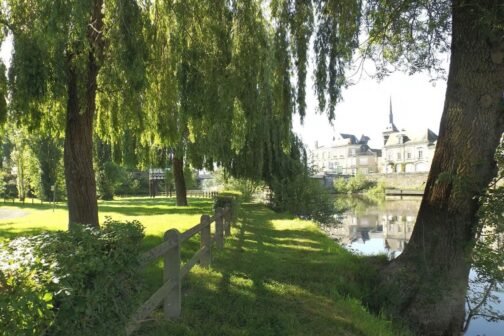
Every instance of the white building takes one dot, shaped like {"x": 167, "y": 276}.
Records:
{"x": 346, "y": 155}
{"x": 406, "y": 151}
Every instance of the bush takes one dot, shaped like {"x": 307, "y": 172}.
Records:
{"x": 353, "y": 185}
{"x": 377, "y": 190}
{"x": 340, "y": 185}
{"x": 304, "y": 197}
{"x": 108, "y": 179}
{"x": 61, "y": 283}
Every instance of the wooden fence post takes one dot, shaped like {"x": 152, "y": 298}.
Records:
{"x": 172, "y": 303}
{"x": 219, "y": 229}
{"x": 206, "y": 241}
{"x": 227, "y": 226}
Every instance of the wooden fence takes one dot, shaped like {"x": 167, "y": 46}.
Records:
{"x": 169, "y": 294}
{"x": 401, "y": 193}
{"x": 192, "y": 193}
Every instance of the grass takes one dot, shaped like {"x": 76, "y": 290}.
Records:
{"x": 277, "y": 275}
{"x": 157, "y": 215}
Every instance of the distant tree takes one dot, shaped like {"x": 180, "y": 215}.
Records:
{"x": 46, "y": 170}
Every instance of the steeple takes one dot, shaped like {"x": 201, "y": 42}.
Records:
{"x": 391, "y": 128}
{"x": 391, "y": 116}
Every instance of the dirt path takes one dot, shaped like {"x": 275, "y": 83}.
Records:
{"x": 11, "y": 213}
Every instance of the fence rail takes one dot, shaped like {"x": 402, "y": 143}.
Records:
{"x": 169, "y": 294}
{"x": 400, "y": 192}
{"x": 191, "y": 193}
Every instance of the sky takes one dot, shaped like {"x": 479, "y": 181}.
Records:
{"x": 417, "y": 104}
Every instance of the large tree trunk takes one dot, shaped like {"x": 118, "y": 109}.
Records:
{"x": 426, "y": 285}
{"x": 78, "y": 154}
{"x": 180, "y": 186}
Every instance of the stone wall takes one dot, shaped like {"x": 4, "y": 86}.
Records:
{"x": 408, "y": 181}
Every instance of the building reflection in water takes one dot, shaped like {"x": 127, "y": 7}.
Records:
{"x": 371, "y": 228}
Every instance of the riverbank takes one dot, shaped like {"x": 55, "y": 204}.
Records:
{"x": 277, "y": 275}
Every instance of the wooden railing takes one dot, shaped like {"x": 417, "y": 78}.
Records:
{"x": 169, "y": 294}
{"x": 191, "y": 193}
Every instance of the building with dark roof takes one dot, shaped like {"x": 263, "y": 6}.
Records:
{"x": 406, "y": 151}
{"x": 346, "y": 155}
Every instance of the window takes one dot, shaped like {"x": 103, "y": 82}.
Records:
{"x": 408, "y": 155}
{"x": 420, "y": 153}
{"x": 398, "y": 156}
{"x": 389, "y": 156}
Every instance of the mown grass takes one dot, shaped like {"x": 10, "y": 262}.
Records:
{"x": 277, "y": 275}
{"x": 157, "y": 215}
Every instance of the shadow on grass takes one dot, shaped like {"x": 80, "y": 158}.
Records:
{"x": 7, "y": 234}
{"x": 271, "y": 281}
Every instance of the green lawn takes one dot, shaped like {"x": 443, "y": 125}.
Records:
{"x": 157, "y": 215}
{"x": 277, "y": 275}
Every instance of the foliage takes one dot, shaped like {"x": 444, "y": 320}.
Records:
{"x": 340, "y": 185}
{"x": 488, "y": 253}
{"x": 246, "y": 188}
{"x": 46, "y": 167}
{"x": 59, "y": 282}
{"x": 3, "y": 184}
{"x": 108, "y": 179}
{"x": 377, "y": 190}
{"x": 354, "y": 184}
{"x": 304, "y": 197}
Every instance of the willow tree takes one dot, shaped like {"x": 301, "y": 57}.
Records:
{"x": 426, "y": 284}
{"x": 186, "y": 99}
{"x": 60, "y": 48}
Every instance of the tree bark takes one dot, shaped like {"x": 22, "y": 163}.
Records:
{"x": 78, "y": 148}
{"x": 180, "y": 186}
{"x": 426, "y": 285}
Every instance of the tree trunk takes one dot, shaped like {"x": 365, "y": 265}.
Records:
{"x": 180, "y": 186}
{"x": 426, "y": 285}
{"x": 78, "y": 154}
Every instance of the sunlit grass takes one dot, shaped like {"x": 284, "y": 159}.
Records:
{"x": 157, "y": 215}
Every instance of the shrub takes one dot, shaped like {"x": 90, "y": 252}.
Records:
{"x": 304, "y": 197}
{"x": 110, "y": 177}
{"x": 62, "y": 282}
{"x": 353, "y": 185}
{"x": 377, "y": 190}
{"x": 340, "y": 185}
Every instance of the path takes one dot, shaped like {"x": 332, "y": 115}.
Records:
{"x": 11, "y": 213}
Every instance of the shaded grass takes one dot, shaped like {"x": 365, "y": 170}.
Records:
{"x": 277, "y": 275}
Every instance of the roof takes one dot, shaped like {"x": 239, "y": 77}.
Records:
{"x": 350, "y": 139}
{"x": 424, "y": 136}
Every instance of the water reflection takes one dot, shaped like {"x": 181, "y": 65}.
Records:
{"x": 374, "y": 226}
{"x": 379, "y": 226}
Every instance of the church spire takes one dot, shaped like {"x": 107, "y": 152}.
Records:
{"x": 391, "y": 116}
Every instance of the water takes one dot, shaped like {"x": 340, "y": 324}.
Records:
{"x": 384, "y": 227}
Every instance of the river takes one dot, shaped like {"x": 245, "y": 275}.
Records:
{"x": 384, "y": 226}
